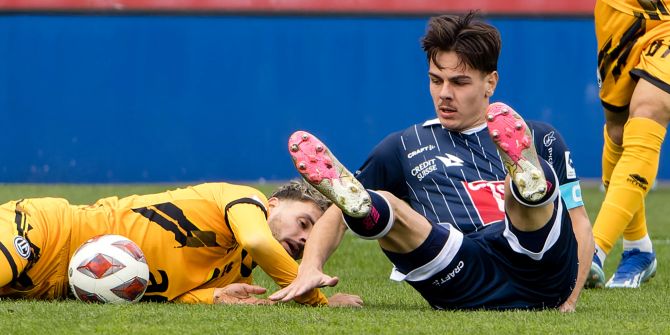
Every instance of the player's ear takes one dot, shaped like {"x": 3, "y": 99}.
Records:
{"x": 273, "y": 202}
{"x": 491, "y": 81}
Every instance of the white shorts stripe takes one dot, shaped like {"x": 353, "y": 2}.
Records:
{"x": 553, "y": 236}
{"x": 437, "y": 264}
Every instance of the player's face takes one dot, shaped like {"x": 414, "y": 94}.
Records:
{"x": 460, "y": 94}
{"x": 291, "y": 222}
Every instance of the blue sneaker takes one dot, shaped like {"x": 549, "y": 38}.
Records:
{"x": 596, "y": 276}
{"x": 635, "y": 268}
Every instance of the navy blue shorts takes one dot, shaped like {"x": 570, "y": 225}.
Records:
{"x": 495, "y": 268}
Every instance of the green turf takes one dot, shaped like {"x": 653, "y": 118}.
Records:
{"x": 391, "y": 308}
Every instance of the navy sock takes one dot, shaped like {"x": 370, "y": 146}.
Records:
{"x": 377, "y": 223}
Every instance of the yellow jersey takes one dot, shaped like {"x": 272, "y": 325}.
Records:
{"x": 194, "y": 239}
{"x": 649, "y": 9}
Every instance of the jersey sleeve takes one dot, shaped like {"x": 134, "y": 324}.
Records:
{"x": 14, "y": 251}
{"x": 197, "y": 296}
{"x": 248, "y": 223}
{"x": 551, "y": 146}
{"x": 382, "y": 170}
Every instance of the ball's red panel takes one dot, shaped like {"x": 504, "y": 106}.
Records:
{"x": 86, "y": 296}
{"x": 100, "y": 266}
{"x": 131, "y": 289}
{"x": 132, "y": 249}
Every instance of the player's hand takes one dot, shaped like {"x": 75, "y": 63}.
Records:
{"x": 240, "y": 294}
{"x": 345, "y": 300}
{"x": 569, "y": 306}
{"x": 306, "y": 280}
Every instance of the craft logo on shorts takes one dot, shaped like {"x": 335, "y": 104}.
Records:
{"x": 450, "y": 275}
{"x": 22, "y": 247}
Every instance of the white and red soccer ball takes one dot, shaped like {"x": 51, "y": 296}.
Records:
{"x": 108, "y": 269}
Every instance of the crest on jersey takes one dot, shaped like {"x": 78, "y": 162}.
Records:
{"x": 549, "y": 139}
{"x": 450, "y": 160}
{"x": 22, "y": 247}
{"x": 488, "y": 199}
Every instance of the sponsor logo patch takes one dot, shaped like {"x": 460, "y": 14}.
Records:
{"x": 420, "y": 150}
{"x": 450, "y": 160}
{"x": 570, "y": 171}
{"x": 22, "y": 247}
{"x": 422, "y": 170}
{"x": 488, "y": 199}
{"x": 638, "y": 181}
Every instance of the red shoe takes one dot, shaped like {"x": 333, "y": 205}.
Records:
{"x": 323, "y": 171}
{"x": 515, "y": 144}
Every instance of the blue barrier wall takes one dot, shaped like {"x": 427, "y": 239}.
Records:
{"x": 187, "y": 98}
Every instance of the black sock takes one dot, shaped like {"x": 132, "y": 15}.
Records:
{"x": 377, "y": 223}
{"x": 552, "y": 187}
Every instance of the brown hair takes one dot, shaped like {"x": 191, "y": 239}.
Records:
{"x": 301, "y": 191}
{"x": 476, "y": 43}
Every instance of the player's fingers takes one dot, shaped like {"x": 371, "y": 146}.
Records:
{"x": 329, "y": 281}
{"x": 254, "y": 289}
{"x": 278, "y": 295}
{"x": 291, "y": 293}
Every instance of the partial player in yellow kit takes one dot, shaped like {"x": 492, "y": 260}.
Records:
{"x": 634, "y": 74}
{"x": 196, "y": 240}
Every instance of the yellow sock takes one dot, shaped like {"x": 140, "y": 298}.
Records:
{"x": 631, "y": 180}
{"x": 637, "y": 228}
{"x": 611, "y": 154}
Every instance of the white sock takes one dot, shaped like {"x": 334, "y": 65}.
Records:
{"x": 644, "y": 244}
{"x": 600, "y": 253}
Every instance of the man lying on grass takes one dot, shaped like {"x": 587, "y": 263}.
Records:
{"x": 201, "y": 242}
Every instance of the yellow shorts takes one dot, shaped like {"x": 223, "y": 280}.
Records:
{"x": 629, "y": 48}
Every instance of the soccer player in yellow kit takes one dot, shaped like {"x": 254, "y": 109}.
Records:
{"x": 634, "y": 75}
{"x": 196, "y": 240}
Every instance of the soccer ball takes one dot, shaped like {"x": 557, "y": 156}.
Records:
{"x": 108, "y": 269}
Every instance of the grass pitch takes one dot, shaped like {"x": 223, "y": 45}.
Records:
{"x": 391, "y": 308}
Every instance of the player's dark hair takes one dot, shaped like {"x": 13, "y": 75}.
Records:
{"x": 476, "y": 43}
{"x": 301, "y": 191}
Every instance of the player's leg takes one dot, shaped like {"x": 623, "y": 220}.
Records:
{"x": 368, "y": 214}
{"x": 643, "y": 133}
{"x": 532, "y": 183}
{"x": 612, "y": 150}
{"x": 631, "y": 181}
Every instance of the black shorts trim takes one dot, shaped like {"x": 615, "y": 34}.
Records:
{"x": 615, "y": 109}
{"x": 10, "y": 260}
{"x": 637, "y": 74}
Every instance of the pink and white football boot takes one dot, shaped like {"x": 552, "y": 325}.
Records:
{"x": 515, "y": 145}
{"x": 323, "y": 171}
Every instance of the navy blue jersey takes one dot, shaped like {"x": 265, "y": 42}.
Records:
{"x": 458, "y": 177}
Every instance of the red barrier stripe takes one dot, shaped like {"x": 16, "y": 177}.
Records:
{"x": 331, "y": 6}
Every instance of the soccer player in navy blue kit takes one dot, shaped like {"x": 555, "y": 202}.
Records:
{"x": 475, "y": 208}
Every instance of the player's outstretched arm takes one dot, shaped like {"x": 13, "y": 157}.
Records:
{"x": 240, "y": 294}
{"x": 323, "y": 240}
{"x": 581, "y": 225}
